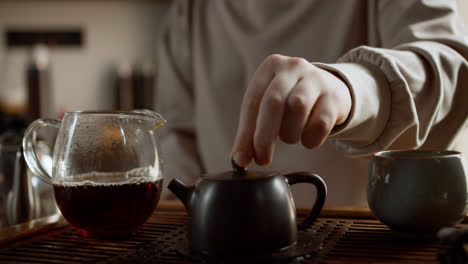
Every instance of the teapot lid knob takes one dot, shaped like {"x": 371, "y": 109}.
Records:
{"x": 238, "y": 173}
{"x": 236, "y": 168}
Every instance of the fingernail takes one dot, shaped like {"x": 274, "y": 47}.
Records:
{"x": 262, "y": 158}
{"x": 262, "y": 161}
{"x": 242, "y": 158}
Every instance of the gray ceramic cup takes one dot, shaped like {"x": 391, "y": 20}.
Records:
{"x": 417, "y": 192}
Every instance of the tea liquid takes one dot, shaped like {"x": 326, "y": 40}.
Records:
{"x": 108, "y": 209}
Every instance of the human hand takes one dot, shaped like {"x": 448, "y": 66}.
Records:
{"x": 292, "y": 99}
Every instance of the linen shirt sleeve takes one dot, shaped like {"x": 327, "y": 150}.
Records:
{"x": 409, "y": 86}
{"x": 178, "y": 149}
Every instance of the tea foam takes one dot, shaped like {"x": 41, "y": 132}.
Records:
{"x": 134, "y": 176}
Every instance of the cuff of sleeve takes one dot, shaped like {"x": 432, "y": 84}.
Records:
{"x": 371, "y": 98}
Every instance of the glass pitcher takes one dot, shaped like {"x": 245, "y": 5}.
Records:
{"x": 106, "y": 172}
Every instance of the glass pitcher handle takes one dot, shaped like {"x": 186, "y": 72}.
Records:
{"x": 30, "y": 144}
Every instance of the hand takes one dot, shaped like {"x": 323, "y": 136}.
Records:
{"x": 291, "y": 99}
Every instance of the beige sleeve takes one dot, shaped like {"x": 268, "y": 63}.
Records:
{"x": 178, "y": 150}
{"x": 410, "y": 90}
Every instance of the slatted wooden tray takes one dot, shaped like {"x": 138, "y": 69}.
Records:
{"x": 345, "y": 240}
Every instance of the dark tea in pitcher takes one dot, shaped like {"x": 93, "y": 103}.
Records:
{"x": 111, "y": 209}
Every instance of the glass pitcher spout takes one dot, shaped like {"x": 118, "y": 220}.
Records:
{"x": 159, "y": 120}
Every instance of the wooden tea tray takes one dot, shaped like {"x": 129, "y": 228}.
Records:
{"x": 350, "y": 235}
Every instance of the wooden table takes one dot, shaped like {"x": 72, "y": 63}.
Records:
{"x": 350, "y": 235}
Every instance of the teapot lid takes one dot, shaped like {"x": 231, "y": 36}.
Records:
{"x": 239, "y": 173}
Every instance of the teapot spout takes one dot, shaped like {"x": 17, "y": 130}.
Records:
{"x": 180, "y": 190}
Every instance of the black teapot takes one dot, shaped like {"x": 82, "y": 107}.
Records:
{"x": 245, "y": 212}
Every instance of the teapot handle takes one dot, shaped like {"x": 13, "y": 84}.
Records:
{"x": 30, "y": 145}
{"x": 307, "y": 177}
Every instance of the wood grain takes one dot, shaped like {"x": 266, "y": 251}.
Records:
{"x": 33, "y": 227}
{"x": 343, "y": 211}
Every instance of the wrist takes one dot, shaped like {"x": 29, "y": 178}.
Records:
{"x": 345, "y": 96}
{"x": 342, "y": 94}
{"x": 371, "y": 99}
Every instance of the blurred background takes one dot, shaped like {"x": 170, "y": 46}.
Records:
{"x": 106, "y": 39}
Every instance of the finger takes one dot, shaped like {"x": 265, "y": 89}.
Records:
{"x": 242, "y": 149}
{"x": 270, "y": 116}
{"x": 298, "y": 107}
{"x": 320, "y": 123}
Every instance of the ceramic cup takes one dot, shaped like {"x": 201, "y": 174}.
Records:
{"x": 417, "y": 192}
